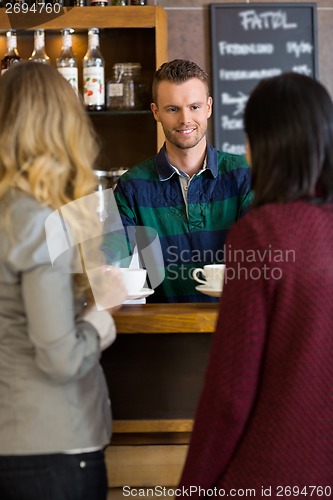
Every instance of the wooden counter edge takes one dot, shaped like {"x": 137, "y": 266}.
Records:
{"x": 167, "y": 318}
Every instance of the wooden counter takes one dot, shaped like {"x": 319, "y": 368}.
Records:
{"x": 167, "y": 318}
{"x": 155, "y": 371}
{"x": 156, "y": 366}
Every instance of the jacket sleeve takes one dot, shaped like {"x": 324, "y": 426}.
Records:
{"x": 65, "y": 347}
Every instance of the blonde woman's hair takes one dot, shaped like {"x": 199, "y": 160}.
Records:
{"x": 47, "y": 145}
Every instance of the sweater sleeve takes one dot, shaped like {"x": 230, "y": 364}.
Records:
{"x": 231, "y": 380}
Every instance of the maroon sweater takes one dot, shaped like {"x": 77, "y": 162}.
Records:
{"x": 265, "y": 416}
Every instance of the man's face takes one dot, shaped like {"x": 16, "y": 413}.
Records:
{"x": 183, "y": 111}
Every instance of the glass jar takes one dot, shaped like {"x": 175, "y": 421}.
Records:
{"x": 126, "y": 90}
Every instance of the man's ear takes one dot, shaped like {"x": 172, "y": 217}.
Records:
{"x": 154, "y": 109}
{"x": 209, "y": 106}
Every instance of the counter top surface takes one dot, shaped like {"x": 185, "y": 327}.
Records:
{"x": 167, "y": 318}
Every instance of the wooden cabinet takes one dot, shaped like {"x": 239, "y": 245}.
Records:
{"x": 127, "y": 34}
{"x": 155, "y": 371}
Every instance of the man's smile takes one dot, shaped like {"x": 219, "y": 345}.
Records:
{"x": 186, "y": 131}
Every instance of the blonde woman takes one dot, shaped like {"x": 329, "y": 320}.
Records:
{"x": 55, "y": 415}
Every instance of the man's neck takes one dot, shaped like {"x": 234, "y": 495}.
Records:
{"x": 189, "y": 160}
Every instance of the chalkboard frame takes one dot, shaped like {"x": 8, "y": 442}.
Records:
{"x": 215, "y": 34}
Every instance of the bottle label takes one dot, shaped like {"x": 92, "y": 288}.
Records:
{"x": 67, "y": 41}
{"x": 115, "y": 89}
{"x": 70, "y": 74}
{"x": 11, "y": 43}
{"x": 39, "y": 42}
{"x": 93, "y": 40}
{"x": 93, "y": 86}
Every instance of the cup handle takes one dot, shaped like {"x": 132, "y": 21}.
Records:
{"x": 195, "y": 275}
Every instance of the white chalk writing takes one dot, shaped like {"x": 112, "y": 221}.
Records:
{"x": 244, "y": 49}
{"x": 299, "y": 48}
{"x": 231, "y": 123}
{"x": 255, "y": 74}
{"x": 239, "y": 101}
{"x": 303, "y": 69}
{"x": 236, "y": 149}
{"x": 250, "y": 19}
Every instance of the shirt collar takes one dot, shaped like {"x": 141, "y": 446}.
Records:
{"x": 165, "y": 170}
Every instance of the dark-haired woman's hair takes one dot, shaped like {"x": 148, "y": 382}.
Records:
{"x": 289, "y": 125}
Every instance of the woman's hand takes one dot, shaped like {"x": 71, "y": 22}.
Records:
{"x": 107, "y": 287}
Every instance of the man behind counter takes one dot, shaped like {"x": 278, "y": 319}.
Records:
{"x": 190, "y": 193}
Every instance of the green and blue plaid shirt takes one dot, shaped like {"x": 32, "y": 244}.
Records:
{"x": 191, "y": 234}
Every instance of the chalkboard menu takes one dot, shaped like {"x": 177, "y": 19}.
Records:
{"x": 251, "y": 42}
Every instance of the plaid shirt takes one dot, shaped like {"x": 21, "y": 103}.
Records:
{"x": 151, "y": 195}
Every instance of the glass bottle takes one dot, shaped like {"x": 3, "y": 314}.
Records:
{"x": 74, "y": 3}
{"x": 93, "y": 74}
{"x": 66, "y": 62}
{"x": 119, "y": 2}
{"x": 39, "y": 53}
{"x": 138, "y": 2}
{"x": 99, "y": 3}
{"x": 12, "y": 56}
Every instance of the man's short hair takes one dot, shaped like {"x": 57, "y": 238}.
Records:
{"x": 178, "y": 71}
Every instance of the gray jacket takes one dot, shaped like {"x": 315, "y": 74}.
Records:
{"x": 53, "y": 395}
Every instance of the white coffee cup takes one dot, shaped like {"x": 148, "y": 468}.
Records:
{"x": 213, "y": 273}
{"x": 133, "y": 279}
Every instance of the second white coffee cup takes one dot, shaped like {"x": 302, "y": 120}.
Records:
{"x": 134, "y": 279}
{"x": 213, "y": 274}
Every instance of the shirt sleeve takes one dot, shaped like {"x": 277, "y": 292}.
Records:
{"x": 234, "y": 365}
{"x": 124, "y": 198}
{"x": 246, "y": 197}
{"x": 118, "y": 243}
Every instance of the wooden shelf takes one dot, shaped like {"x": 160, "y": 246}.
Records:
{"x": 127, "y": 33}
{"x": 86, "y": 17}
{"x": 156, "y": 426}
{"x": 115, "y": 112}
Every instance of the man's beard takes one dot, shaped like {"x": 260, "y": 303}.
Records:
{"x": 182, "y": 144}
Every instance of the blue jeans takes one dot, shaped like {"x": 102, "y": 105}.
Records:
{"x": 53, "y": 477}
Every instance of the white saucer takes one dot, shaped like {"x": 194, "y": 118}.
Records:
{"x": 145, "y": 292}
{"x": 212, "y": 292}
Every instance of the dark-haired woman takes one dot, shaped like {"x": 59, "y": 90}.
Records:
{"x": 265, "y": 418}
